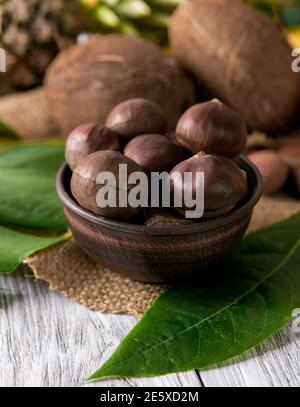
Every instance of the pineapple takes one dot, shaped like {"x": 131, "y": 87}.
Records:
{"x": 33, "y": 31}
{"x": 148, "y": 18}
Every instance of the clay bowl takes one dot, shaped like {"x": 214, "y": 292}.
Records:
{"x": 158, "y": 253}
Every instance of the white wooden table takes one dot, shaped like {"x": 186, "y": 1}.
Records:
{"x": 47, "y": 340}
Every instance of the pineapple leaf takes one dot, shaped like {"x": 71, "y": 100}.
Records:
{"x": 106, "y": 17}
{"x": 128, "y": 28}
{"x": 157, "y": 19}
{"x": 164, "y": 4}
{"x": 134, "y": 9}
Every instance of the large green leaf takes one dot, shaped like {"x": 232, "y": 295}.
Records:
{"x": 44, "y": 157}
{"x": 15, "y": 246}
{"x": 6, "y": 131}
{"x": 6, "y": 144}
{"x": 198, "y": 326}
{"x": 27, "y": 187}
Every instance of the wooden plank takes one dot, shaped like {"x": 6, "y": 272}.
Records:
{"x": 275, "y": 363}
{"x": 47, "y": 340}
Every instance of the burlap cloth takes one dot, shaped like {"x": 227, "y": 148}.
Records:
{"x": 27, "y": 113}
{"x": 68, "y": 270}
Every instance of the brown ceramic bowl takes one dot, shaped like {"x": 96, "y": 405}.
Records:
{"x": 158, "y": 253}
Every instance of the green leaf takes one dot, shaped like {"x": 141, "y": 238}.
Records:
{"x": 15, "y": 246}
{"x": 27, "y": 187}
{"x": 8, "y": 132}
{"x": 6, "y": 144}
{"x": 41, "y": 157}
{"x": 194, "y": 327}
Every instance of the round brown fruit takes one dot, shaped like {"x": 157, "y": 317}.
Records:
{"x": 238, "y": 55}
{"x": 214, "y": 128}
{"x": 84, "y": 184}
{"x": 225, "y": 184}
{"x": 137, "y": 116}
{"x": 89, "y": 138}
{"x": 290, "y": 154}
{"x": 85, "y": 82}
{"x": 273, "y": 169}
{"x": 154, "y": 152}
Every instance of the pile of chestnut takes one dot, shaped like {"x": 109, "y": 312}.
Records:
{"x": 208, "y": 137}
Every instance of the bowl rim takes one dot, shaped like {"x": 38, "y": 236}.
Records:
{"x": 178, "y": 229}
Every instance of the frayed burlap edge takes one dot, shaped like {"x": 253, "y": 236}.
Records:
{"x": 68, "y": 270}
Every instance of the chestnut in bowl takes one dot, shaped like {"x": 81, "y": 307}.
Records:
{"x": 212, "y": 127}
{"x": 154, "y": 152}
{"x": 87, "y": 139}
{"x": 164, "y": 252}
{"x": 136, "y": 116}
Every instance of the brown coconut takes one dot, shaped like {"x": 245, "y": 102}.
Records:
{"x": 86, "y": 81}
{"x": 240, "y": 56}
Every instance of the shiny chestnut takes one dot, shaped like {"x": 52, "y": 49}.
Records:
{"x": 87, "y": 139}
{"x": 86, "y": 182}
{"x": 212, "y": 127}
{"x": 225, "y": 184}
{"x": 154, "y": 152}
{"x": 137, "y": 116}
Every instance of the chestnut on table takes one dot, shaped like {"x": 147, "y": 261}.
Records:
{"x": 273, "y": 168}
{"x": 291, "y": 156}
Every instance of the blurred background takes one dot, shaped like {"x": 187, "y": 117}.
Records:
{"x": 34, "y": 31}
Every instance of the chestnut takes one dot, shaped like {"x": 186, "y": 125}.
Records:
{"x": 87, "y": 139}
{"x": 154, "y": 152}
{"x": 293, "y": 139}
{"x": 137, "y": 116}
{"x": 87, "y": 181}
{"x": 273, "y": 169}
{"x": 212, "y": 127}
{"x": 225, "y": 183}
{"x": 290, "y": 154}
